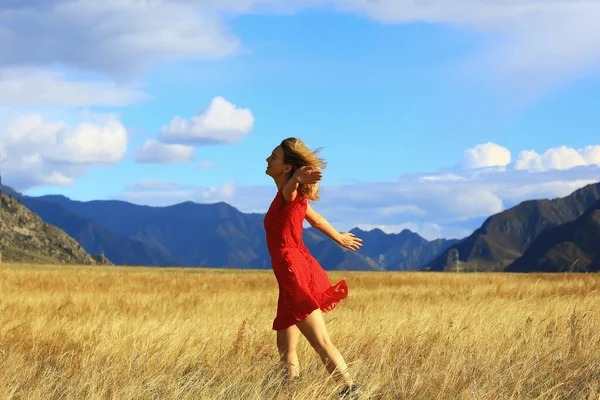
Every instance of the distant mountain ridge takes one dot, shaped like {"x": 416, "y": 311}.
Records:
{"x": 400, "y": 251}
{"x": 214, "y": 235}
{"x": 95, "y": 238}
{"x": 542, "y": 235}
{"x": 505, "y": 236}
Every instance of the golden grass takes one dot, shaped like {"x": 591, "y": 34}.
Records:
{"x": 149, "y": 333}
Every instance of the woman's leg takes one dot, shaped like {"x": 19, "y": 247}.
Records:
{"x": 313, "y": 328}
{"x": 287, "y": 341}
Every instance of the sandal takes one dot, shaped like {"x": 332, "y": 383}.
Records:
{"x": 350, "y": 392}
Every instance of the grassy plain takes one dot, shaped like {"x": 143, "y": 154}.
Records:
{"x": 70, "y": 332}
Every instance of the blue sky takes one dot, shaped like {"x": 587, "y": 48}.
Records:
{"x": 431, "y": 116}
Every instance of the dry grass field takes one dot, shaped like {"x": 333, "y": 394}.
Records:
{"x": 152, "y": 333}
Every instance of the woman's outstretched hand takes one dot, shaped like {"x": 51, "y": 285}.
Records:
{"x": 349, "y": 241}
{"x": 307, "y": 175}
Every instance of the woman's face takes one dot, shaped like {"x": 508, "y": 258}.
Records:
{"x": 275, "y": 164}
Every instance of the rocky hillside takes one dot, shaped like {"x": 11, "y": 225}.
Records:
{"x": 574, "y": 246}
{"x": 505, "y": 236}
{"x": 24, "y": 237}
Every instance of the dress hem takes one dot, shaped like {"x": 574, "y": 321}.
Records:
{"x": 327, "y": 301}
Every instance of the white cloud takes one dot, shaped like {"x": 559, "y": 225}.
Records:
{"x": 551, "y": 185}
{"x": 442, "y": 177}
{"x": 38, "y": 87}
{"x": 529, "y": 160}
{"x": 103, "y": 141}
{"x": 33, "y": 131}
{"x": 486, "y": 155}
{"x": 490, "y": 157}
{"x": 145, "y": 185}
{"x": 206, "y": 165}
{"x": 118, "y": 37}
{"x": 222, "y": 122}
{"x": 218, "y": 193}
{"x": 91, "y": 143}
{"x": 541, "y": 40}
{"x": 533, "y": 43}
{"x": 162, "y": 193}
{"x": 403, "y": 209}
{"x": 38, "y": 152}
{"x": 153, "y": 151}
{"x": 22, "y": 171}
{"x": 463, "y": 202}
{"x": 56, "y": 178}
{"x": 560, "y": 158}
{"x": 591, "y": 155}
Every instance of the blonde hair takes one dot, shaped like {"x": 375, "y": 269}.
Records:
{"x": 297, "y": 154}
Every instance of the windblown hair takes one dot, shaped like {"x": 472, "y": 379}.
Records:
{"x": 297, "y": 154}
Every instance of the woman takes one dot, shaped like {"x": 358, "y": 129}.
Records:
{"x": 305, "y": 291}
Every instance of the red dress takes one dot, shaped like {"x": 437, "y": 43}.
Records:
{"x": 303, "y": 284}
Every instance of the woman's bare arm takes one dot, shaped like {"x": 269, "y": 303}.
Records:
{"x": 304, "y": 175}
{"x": 289, "y": 189}
{"x": 317, "y": 221}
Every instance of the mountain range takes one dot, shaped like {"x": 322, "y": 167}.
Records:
{"x": 213, "y": 235}
{"x": 535, "y": 235}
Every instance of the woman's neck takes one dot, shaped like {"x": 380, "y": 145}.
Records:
{"x": 280, "y": 181}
